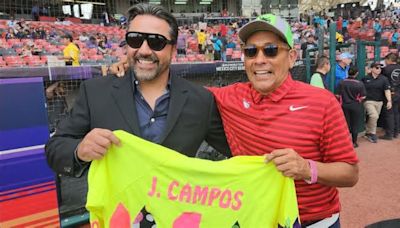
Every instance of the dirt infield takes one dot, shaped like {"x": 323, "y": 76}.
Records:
{"x": 376, "y": 196}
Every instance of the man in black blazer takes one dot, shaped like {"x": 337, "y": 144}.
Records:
{"x": 149, "y": 103}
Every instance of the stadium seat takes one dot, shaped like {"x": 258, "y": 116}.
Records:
{"x": 200, "y": 57}
{"x": 191, "y": 58}
{"x": 17, "y": 63}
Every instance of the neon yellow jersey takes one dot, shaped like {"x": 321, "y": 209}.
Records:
{"x": 186, "y": 192}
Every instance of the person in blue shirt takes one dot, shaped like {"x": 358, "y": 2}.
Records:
{"x": 378, "y": 29}
{"x": 218, "y": 46}
{"x": 342, "y": 68}
{"x": 345, "y": 23}
{"x": 395, "y": 38}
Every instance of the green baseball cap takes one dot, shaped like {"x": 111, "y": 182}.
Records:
{"x": 268, "y": 22}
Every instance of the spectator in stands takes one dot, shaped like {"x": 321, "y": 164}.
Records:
{"x": 339, "y": 24}
{"x": 218, "y": 45}
{"x": 223, "y": 29}
{"x": 104, "y": 38}
{"x": 102, "y": 49}
{"x": 317, "y": 166}
{"x": 223, "y": 47}
{"x": 392, "y": 116}
{"x": 209, "y": 48}
{"x": 318, "y": 79}
{"x": 345, "y": 24}
{"x": 92, "y": 43}
{"x": 10, "y": 34}
{"x": 377, "y": 29}
{"x": 230, "y": 43}
{"x": 44, "y": 11}
{"x": 395, "y": 38}
{"x": 182, "y": 42}
{"x": 352, "y": 93}
{"x": 26, "y": 51}
{"x": 71, "y": 51}
{"x": 342, "y": 67}
{"x": 378, "y": 88}
{"x": 309, "y": 44}
{"x": 84, "y": 37}
{"x": 11, "y": 23}
{"x": 201, "y": 40}
{"x": 138, "y": 103}
{"x": 339, "y": 38}
{"x": 35, "y": 12}
{"x": 55, "y": 95}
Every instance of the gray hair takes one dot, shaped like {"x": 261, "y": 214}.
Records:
{"x": 157, "y": 11}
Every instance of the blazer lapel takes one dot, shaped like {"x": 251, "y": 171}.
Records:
{"x": 176, "y": 103}
{"x": 123, "y": 95}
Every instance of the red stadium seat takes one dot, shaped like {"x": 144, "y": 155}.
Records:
{"x": 201, "y": 57}
{"x": 16, "y": 63}
{"x": 191, "y": 58}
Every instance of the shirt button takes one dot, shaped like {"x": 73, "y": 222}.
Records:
{"x": 152, "y": 120}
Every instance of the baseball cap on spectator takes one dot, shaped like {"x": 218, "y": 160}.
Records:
{"x": 345, "y": 55}
{"x": 376, "y": 64}
{"x": 268, "y": 22}
{"x": 123, "y": 20}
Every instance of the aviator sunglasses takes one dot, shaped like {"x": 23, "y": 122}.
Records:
{"x": 155, "y": 41}
{"x": 269, "y": 50}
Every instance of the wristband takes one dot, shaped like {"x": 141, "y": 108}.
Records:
{"x": 314, "y": 172}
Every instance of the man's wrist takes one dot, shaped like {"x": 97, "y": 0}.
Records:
{"x": 77, "y": 159}
{"x": 313, "y": 172}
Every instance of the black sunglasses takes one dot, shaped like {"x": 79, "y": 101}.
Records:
{"x": 155, "y": 41}
{"x": 269, "y": 50}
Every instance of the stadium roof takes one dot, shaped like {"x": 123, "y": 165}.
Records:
{"x": 324, "y": 4}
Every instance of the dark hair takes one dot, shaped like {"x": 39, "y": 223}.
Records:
{"x": 68, "y": 36}
{"x": 353, "y": 71}
{"x": 157, "y": 11}
{"x": 322, "y": 61}
{"x": 391, "y": 57}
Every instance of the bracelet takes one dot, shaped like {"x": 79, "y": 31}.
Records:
{"x": 314, "y": 172}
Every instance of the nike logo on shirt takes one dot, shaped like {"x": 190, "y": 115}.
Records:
{"x": 293, "y": 108}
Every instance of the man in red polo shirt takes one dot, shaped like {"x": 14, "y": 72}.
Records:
{"x": 299, "y": 127}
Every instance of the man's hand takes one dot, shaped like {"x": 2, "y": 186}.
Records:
{"x": 95, "y": 144}
{"x": 389, "y": 105}
{"x": 290, "y": 163}
{"x": 120, "y": 67}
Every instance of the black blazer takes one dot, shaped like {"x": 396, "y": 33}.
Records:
{"x": 108, "y": 102}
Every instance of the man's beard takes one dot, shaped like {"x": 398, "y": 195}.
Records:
{"x": 145, "y": 75}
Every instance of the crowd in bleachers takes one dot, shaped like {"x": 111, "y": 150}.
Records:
{"x": 30, "y": 43}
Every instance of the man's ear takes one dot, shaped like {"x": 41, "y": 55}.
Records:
{"x": 292, "y": 58}
{"x": 174, "y": 51}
